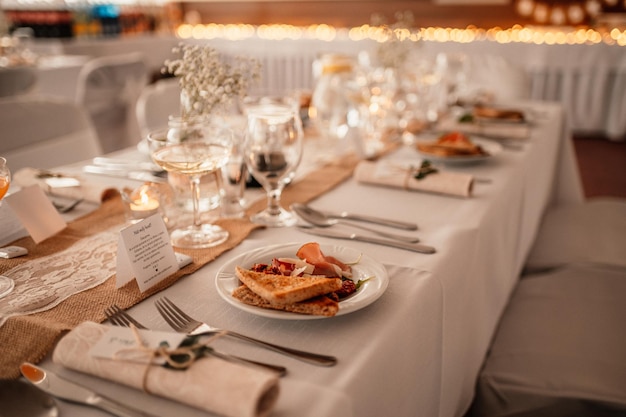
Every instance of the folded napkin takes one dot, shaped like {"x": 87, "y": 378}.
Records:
{"x": 212, "y": 384}
{"x": 388, "y": 174}
{"x": 32, "y": 176}
{"x": 495, "y": 130}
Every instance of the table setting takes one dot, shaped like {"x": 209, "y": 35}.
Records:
{"x": 432, "y": 249}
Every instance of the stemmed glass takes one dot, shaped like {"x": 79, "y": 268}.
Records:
{"x": 272, "y": 151}
{"x": 204, "y": 152}
{"x": 6, "y": 283}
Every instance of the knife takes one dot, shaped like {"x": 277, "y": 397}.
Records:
{"x": 326, "y": 232}
{"x": 122, "y": 173}
{"x": 62, "y": 388}
{"x": 113, "y": 163}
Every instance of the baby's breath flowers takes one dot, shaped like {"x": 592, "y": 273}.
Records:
{"x": 400, "y": 42}
{"x": 208, "y": 82}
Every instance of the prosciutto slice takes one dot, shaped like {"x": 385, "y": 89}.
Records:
{"x": 324, "y": 265}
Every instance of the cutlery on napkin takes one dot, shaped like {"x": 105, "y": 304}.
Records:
{"x": 211, "y": 384}
{"x": 385, "y": 173}
{"x": 75, "y": 188}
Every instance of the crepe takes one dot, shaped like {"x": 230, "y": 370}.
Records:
{"x": 317, "y": 306}
{"x": 281, "y": 289}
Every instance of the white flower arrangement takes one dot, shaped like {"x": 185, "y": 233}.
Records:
{"x": 208, "y": 83}
{"x": 401, "y": 39}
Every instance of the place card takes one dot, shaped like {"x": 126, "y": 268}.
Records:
{"x": 36, "y": 212}
{"x": 122, "y": 343}
{"x": 144, "y": 252}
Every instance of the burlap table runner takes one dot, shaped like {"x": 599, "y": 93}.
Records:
{"x": 31, "y": 337}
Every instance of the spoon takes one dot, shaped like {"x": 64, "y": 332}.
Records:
{"x": 397, "y": 224}
{"x": 19, "y": 398}
{"x": 321, "y": 220}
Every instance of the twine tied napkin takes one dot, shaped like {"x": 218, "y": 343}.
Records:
{"x": 212, "y": 384}
{"x": 386, "y": 173}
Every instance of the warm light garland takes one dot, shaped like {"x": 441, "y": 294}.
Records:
{"x": 518, "y": 33}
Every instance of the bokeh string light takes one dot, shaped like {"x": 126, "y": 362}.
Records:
{"x": 515, "y": 34}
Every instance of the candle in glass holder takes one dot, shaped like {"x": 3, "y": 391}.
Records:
{"x": 142, "y": 202}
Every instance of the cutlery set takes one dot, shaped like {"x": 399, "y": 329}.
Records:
{"x": 62, "y": 388}
{"x": 183, "y": 323}
{"x": 119, "y": 317}
{"x": 319, "y": 223}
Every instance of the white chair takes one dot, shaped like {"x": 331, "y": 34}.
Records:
{"x": 44, "y": 132}
{"x": 559, "y": 349}
{"x": 590, "y": 232}
{"x": 108, "y": 88}
{"x": 499, "y": 77}
{"x": 156, "y": 103}
{"x": 16, "y": 80}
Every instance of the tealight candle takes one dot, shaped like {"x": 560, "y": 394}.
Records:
{"x": 142, "y": 202}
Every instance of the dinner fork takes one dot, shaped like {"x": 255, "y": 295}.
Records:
{"x": 183, "y": 323}
{"x": 120, "y": 317}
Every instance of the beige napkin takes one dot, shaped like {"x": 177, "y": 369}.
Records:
{"x": 212, "y": 384}
{"x": 90, "y": 192}
{"x": 495, "y": 130}
{"x": 385, "y": 173}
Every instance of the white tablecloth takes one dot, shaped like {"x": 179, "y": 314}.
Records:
{"x": 418, "y": 349}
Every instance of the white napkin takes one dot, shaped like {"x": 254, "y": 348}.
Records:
{"x": 212, "y": 384}
{"x": 387, "y": 174}
{"x": 90, "y": 192}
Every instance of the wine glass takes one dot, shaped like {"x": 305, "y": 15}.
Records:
{"x": 194, "y": 156}
{"x": 6, "y": 283}
{"x": 272, "y": 151}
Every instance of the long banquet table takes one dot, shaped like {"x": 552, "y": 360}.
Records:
{"x": 417, "y": 350}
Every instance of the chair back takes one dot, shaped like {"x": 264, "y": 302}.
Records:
{"x": 500, "y": 77}
{"x": 156, "y": 103}
{"x": 45, "y": 132}
{"x": 16, "y": 80}
{"x": 108, "y": 88}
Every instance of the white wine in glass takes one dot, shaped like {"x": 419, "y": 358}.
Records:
{"x": 195, "y": 158}
{"x": 273, "y": 150}
{"x": 6, "y": 283}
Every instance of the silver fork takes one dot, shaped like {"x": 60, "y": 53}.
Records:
{"x": 183, "y": 323}
{"x": 120, "y": 317}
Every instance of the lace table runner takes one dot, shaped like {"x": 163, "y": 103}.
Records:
{"x": 47, "y": 281}
{"x": 29, "y": 337}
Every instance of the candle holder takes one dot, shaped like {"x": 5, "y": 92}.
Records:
{"x": 142, "y": 202}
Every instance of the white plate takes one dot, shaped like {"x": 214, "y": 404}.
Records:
{"x": 370, "y": 291}
{"x": 491, "y": 147}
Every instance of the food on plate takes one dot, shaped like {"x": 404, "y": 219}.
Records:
{"x": 498, "y": 113}
{"x": 451, "y": 144}
{"x": 318, "y": 306}
{"x": 309, "y": 283}
{"x": 286, "y": 289}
